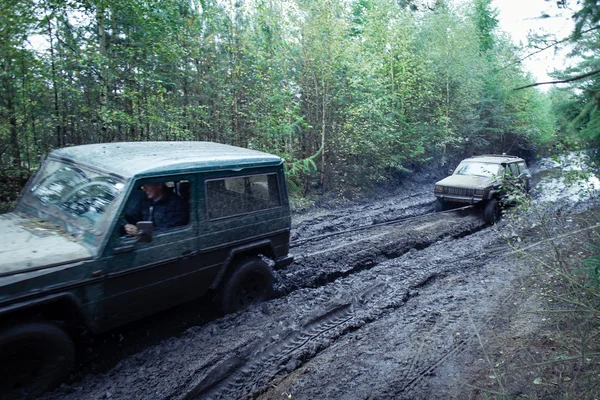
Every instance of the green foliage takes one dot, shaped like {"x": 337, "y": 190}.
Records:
{"x": 591, "y": 266}
{"x": 576, "y": 106}
{"x": 350, "y": 94}
{"x": 298, "y": 170}
{"x": 486, "y": 21}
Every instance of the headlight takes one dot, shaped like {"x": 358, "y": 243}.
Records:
{"x": 479, "y": 192}
{"x": 438, "y": 188}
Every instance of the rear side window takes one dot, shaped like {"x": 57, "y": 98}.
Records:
{"x": 241, "y": 195}
{"x": 523, "y": 168}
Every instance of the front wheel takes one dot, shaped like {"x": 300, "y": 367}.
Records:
{"x": 440, "y": 205}
{"x": 34, "y": 358}
{"x": 491, "y": 212}
{"x": 251, "y": 282}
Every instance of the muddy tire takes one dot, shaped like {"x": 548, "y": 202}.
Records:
{"x": 491, "y": 211}
{"x": 34, "y": 358}
{"x": 440, "y": 205}
{"x": 251, "y": 282}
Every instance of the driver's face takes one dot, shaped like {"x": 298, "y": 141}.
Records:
{"x": 154, "y": 191}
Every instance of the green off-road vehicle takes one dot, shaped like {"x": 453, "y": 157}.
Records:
{"x": 483, "y": 180}
{"x": 69, "y": 261}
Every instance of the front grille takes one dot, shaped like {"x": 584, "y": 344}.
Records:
{"x": 459, "y": 191}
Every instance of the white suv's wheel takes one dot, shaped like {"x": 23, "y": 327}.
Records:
{"x": 491, "y": 211}
{"x": 440, "y": 205}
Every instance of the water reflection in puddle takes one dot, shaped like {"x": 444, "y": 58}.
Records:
{"x": 568, "y": 179}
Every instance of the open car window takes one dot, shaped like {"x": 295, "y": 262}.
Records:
{"x": 170, "y": 211}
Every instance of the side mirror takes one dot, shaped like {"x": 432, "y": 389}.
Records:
{"x": 450, "y": 171}
{"x": 145, "y": 230}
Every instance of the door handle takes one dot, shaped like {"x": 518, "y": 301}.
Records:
{"x": 188, "y": 254}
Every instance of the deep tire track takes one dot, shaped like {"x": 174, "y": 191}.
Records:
{"x": 348, "y": 317}
{"x": 264, "y": 351}
{"x": 414, "y": 376}
{"x": 428, "y": 323}
{"x": 254, "y": 377}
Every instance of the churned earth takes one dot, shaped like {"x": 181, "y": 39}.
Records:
{"x": 385, "y": 299}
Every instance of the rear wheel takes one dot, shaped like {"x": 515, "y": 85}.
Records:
{"x": 34, "y": 357}
{"x": 251, "y": 282}
{"x": 491, "y": 211}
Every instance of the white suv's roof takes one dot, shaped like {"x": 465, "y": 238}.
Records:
{"x": 495, "y": 159}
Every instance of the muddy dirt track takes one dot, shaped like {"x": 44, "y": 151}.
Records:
{"x": 394, "y": 311}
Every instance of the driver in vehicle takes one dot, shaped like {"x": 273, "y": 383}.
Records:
{"x": 161, "y": 206}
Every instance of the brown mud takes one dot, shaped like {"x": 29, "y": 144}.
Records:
{"x": 394, "y": 311}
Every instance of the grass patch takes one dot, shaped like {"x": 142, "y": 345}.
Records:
{"x": 546, "y": 341}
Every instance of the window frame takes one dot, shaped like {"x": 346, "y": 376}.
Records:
{"x": 223, "y": 178}
{"x": 514, "y": 167}
{"x": 523, "y": 170}
{"x": 139, "y": 183}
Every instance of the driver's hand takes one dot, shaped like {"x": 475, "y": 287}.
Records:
{"x": 131, "y": 229}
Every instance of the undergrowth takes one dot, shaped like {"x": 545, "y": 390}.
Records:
{"x": 546, "y": 342}
{"x": 548, "y": 346}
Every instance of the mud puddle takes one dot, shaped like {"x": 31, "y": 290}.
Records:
{"x": 100, "y": 354}
{"x": 388, "y": 312}
{"x": 568, "y": 181}
{"x": 413, "y": 201}
{"x": 240, "y": 355}
{"x": 318, "y": 264}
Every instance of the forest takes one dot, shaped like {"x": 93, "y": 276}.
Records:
{"x": 368, "y": 292}
{"x": 351, "y": 93}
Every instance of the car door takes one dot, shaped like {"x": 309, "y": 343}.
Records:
{"x": 241, "y": 209}
{"x": 143, "y": 278}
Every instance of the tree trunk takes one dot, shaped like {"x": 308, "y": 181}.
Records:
{"x": 57, "y": 118}
{"x": 14, "y": 137}
{"x": 324, "y": 110}
{"x": 103, "y": 74}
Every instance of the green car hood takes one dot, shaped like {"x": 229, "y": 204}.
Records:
{"x": 26, "y": 245}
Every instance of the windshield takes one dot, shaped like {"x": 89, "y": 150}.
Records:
{"x": 83, "y": 200}
{"x": 478, "y": 169}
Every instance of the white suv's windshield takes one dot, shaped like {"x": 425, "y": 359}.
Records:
{"x": 81, "y": 198}
{"x": 478, "y": 169}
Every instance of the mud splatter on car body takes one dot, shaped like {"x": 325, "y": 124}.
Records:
{"x": 67, "y": 256}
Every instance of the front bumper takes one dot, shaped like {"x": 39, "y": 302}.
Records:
{"x": 460, "y": 199}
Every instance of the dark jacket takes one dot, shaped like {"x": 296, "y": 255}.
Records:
{"x": 168, "y": 212}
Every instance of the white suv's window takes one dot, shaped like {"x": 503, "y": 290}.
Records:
{"x": 514, "y": 170}
{"x": 478, "y": 169}
{"x": 523, "y": 168}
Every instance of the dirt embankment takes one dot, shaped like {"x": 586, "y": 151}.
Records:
{"x": 402, "y": 310}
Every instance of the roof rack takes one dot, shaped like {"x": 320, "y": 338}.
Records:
{"x": 496, "y": 155}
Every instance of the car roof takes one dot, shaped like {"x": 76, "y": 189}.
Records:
{"x": 495, "y": 158}
{"x": 128, "y": 159}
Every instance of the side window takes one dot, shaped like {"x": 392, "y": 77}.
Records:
{"x": 523, "y": 168}
{"x": 241, "y": 195}
{"x": 166, "y": 204}
{"x": 514, "y": 171}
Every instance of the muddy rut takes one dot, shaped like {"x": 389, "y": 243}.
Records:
{"x": 393, "y": 311}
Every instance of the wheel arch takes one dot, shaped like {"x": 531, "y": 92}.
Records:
{"x": 264, "y": 247}
{"x": 494, "y": 193}
{"x": 63, "y": 307}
